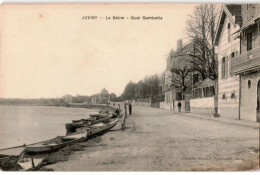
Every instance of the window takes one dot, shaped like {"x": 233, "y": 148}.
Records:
{"x": 233, "y": 95}
{"x": 209, "y": 91}
{"x": 178, "y": 96}
{"x": 232, "y": 54}
{"x": 249, "y": 84}
{"x": 197, "y": 93}
{"x": 223, "y": 68}
{"x": 229, "y": 35}
{"x": 249, "y": 37}
{"x": 212, "y": 91}
{"x": 224, "y": 96}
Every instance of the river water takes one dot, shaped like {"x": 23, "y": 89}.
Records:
{"x": 30, "y": 124}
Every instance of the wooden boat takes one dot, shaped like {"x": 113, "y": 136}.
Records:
{"x": 99, "y": 116}
{"x": 4, "y": 158}
{"x": 99, "y": 127}
{"x": 56, "y": 143}
{"x": 71, "y": 127}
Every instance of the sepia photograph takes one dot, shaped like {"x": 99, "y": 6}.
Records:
{"x": 129, "y": 87}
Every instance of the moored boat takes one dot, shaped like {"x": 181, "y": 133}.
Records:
{"x": 99, "y": 127}
{"x": 56, "y": 143}
{"x": 71, "y": 127}
{"x": 4, "y": 158}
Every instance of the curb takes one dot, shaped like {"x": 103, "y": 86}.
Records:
{"x": 219, "y": 120}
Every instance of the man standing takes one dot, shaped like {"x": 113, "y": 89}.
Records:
{"x": 179, "y": 106}
{"x": 130, "y": 108}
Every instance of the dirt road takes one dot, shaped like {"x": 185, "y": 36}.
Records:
{"x": 161, "y": 140}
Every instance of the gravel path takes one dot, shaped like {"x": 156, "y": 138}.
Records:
{"x": 161, "y": 140}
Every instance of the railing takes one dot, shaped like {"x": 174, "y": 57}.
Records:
{"x": 246, "y": 62}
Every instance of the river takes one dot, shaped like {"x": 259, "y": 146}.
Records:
{"x": 30, "y": 124}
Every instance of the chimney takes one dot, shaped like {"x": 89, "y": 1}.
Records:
{"x": 179, "y": 45}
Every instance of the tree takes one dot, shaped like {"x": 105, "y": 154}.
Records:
{"x": 154, "y": 83}
{"x": 201, "y": 30}
{"x": 112, "y": 96}
{"x": 129, "y": 91}
{"x": 140, "y": 92}
{"x": 181, "y": 78}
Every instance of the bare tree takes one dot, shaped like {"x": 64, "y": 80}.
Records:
{"x": 201, "y": 30}
{"x": 181, "y": 78}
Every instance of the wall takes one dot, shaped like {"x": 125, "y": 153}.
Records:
{"x": 155, "y": 104}
{"x": 249, "y": 96}
{"x": 203, "y": 106}
{"x": 162, "y": 105}
{"x": 142, "y": 104}
{"x": 228, "y": 107}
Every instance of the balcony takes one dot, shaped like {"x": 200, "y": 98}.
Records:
{"x": 166, "y": 87}
{"x": 246, "y": 62}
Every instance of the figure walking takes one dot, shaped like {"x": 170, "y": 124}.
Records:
{"x": 130, "y": 108}
{"x": 179, "y": 107}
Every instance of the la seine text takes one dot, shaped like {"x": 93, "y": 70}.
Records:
{"x": 136, "y": 18}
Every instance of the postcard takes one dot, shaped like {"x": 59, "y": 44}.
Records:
{"x": 129, "y": 87}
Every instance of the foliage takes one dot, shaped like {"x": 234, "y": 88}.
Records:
{"x": 129, "y": 91}
{"x": 149, "y": 87}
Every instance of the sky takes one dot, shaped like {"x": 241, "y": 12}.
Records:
{"x": 49, "y": 50}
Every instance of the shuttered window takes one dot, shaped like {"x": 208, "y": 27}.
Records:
{"x": 249, "y": 41}
{"x": 223, "y": 69}
{"x": 229, "y": 35}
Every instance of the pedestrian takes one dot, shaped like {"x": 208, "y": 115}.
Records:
{"x": 118, "y": 106}
{"x": 130, "y": 108}
{"x": 125, "y": 106}
{"x": 179, "y": 106}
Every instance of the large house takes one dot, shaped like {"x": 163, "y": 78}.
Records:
{"x": 173, "y": 87}
{"x": 227, "y": 45}
{"x": 167, "y": 90}
{"x": 102, "y": 98}
{"x": 246, "y": 64}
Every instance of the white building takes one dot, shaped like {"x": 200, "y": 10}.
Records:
{"x": 227, "y": 45}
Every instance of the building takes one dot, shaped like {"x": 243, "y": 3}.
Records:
{"x": 246, "y": 65}
{"x": 173, "y": 88}
{"x": 101, "y": 98}
{"x": 112, "y": 97}
{"x": 169, "y": 92}
{"x": 228, "y": 47}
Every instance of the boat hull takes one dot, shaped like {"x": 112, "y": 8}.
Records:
{"x": 72, "y": 127}
{"x": 99, "y": 128}
{"x": 54, "y": 144}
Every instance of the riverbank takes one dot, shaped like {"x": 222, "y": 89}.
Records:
{"x": 161, "y": 140}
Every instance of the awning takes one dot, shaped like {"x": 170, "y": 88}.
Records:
{"x": 206, "y": 83}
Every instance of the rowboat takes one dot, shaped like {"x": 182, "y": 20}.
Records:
{"x": 99, "y": 127}
{"x": 71, "y": 127}
{"x": 99, "y": 116}
{"x": 4, "y": 158}
{"x": 56, "y": 143}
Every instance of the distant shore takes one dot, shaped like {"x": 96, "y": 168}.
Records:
{"x": 69, "y": 105}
